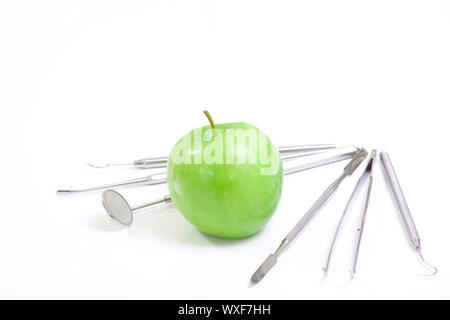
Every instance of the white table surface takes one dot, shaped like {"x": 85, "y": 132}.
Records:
{"x": 118, "y": 80}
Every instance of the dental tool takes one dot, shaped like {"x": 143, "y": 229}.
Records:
{"x": 161, "y": 162}
{"x": 367, "y": 175}
{"x": 148, "y": 180}
{"x": 118, "y": 208}
{"x": 404, "y": 209}
{"x": 147, "y": 163}
{"x": 271, "y": 260}
{"x": 369, "y": 168}
{"x": 318, "y": 159}
{"x": 306, "y": 162}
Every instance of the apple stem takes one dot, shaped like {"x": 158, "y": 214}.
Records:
{"x": 211, "y": 122}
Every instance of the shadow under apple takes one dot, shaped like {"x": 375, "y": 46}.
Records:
{"x": 167, "y": 223}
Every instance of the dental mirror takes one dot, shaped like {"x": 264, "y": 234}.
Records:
{"x": 118, "y": 208}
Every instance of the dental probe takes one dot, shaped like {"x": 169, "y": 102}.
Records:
{"x": 271, "y": 260}
{"x": 367, "y": 174}
{"x": 161, "y": 162}
{"x": 404, "y": 209}
{"x": 366, "y": 206}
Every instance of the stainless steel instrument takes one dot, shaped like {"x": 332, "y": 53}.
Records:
{"x": 271, "y": 260}
{"x": 369, "y": 172}
{"x": 118, "y": 208}
{"x": 161, "y": 162}
{"x": 404, "y": 209}
{"x": 367, "y": 175}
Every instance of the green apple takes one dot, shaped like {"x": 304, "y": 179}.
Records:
{"x": 226, "y": 179}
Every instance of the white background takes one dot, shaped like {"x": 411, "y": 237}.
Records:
{"x": 119, "y": 80}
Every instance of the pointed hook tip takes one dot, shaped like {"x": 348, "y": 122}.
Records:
{"x": 433, "y": 269}
{"x": 98, "y": 167}
{"x": 352, "y": 274}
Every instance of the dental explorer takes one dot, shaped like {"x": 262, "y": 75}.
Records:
{"x": 404, "y": 209}
{"x": 367, "y": 174}
{"x": 161, "y": 162}
{"x": 363, "y": 217}
{"x": 271, "y": 260}
{"x": 309, "y": 162}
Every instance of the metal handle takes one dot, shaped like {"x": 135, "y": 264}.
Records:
{"x": 319, "y": 159}
{"x": 166, "y": 198}
{"x": 308, "y": 217}
{"x": 304, "y": 221}
{"x": 400, "y": 200}
{"x": 150, "y": 163}
{"x": 148, "y": 180}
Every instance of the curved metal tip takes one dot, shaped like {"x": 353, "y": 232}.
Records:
{"x": 433, "y": 269}
{"x": 263, "y": 269}
{"x": 325, "y": 271}
{"x": 98, "y": 167}
{"x": 109, "y": 165}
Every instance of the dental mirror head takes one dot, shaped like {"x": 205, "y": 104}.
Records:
{"x": 117, "y": 207}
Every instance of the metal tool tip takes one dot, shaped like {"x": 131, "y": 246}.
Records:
{"x": 373, "y": 154}
{"x": 430, "y": 267}
{"x": 256, "y": 278}
{"x": 352, "y": 274}
{"x": 63, "y": 191}
{"x": 264, "y": 269}
{"x": 98, "y": 167}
